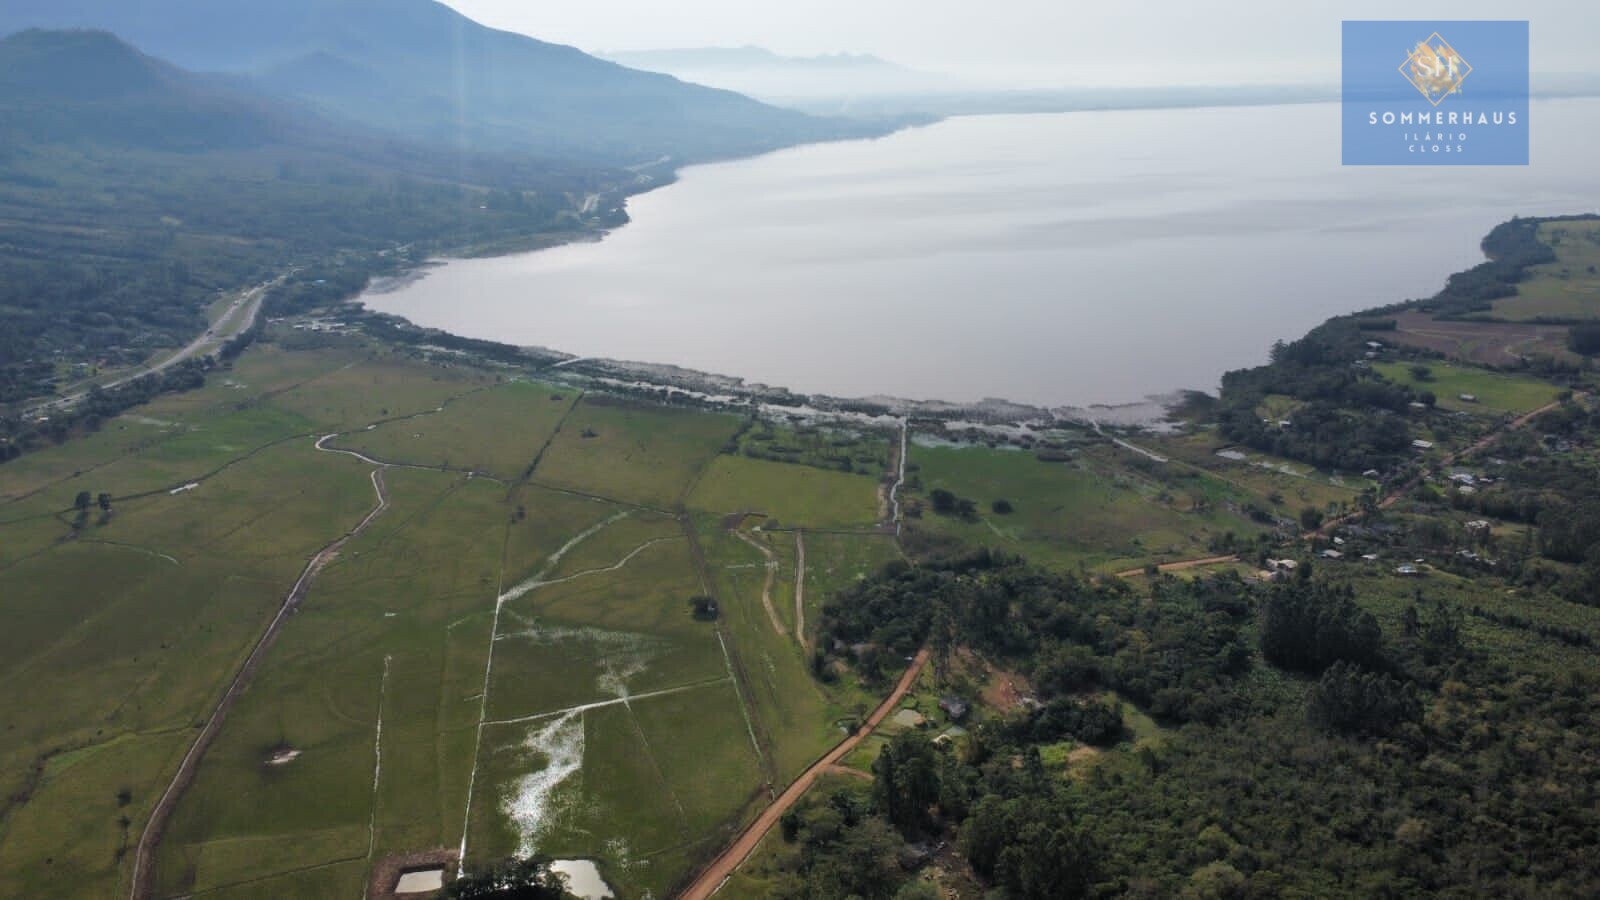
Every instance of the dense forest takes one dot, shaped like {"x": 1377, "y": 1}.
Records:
{"x": 1307, "y": 752}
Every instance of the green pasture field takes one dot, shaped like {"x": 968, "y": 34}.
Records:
{"x": 793, "y": 495}
{"x": 388, "y": 601}
{"x": 497, "y": 430}
{"x": 836, "y": 561}
{"x": 1496, "y": 393}
{"x": 1107, "y": 509}
{"x": 650, "y": 791}
{"x": 1568, "y": 288}
{"x": 135, "y": 626}
{"x": 1295, "y": 485}
{"x": 837, "y": 449}
{"x": 372, "y": 696}
{"x": 625, "y": 450}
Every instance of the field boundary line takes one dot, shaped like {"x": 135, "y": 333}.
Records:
{"x": 377, "y": 760}
{"x": 142, "y": 885}
{"x": 501, "y": 596}
{"x": 599, "y": 704}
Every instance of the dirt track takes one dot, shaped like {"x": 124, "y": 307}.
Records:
{"x": 143, "y": 881}
{"x": 766, "y": 588}
{"x": 1182, "y": 564}
{"x": 711, "y": 879}
{"x": 1448, "y": 459}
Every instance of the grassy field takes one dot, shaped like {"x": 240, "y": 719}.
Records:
{"x": 631, "y": 452}
{"x": 1281, "y": 486}
{"x": 521, "y": 416}
{"x": 1568, "y": 288}
{"x": 510, "y": 660}
{"x": 836, "y": 449}
{"x": 138, "y": 618}
{"x": 1106, "y": 509}
{"x": 134, "y": 625}
{"x": 793, "y": 496}
{"x": 1495, "y": 392}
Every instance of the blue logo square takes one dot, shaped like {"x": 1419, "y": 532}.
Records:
{"x": 1435, "y": 93}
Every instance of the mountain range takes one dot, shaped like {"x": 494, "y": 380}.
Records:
{"x": 421, "y": 70}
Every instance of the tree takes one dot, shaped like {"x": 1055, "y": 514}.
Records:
{"x": 907, "y": 782}
{"x": 81, "y": 504}
{"x": 105, "y": 502}
{"x": 1310, "y": 518}
{"x": 1352, "y": 700}
{"x": 515, "y": 879}
{"x": 1002, "y": 507}
{"x": 1308, "y": 626}
{"x": 1584, "y": 338}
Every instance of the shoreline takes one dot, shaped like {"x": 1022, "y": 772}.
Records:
{"x": 1153, "y": 411}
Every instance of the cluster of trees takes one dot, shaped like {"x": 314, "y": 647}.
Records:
{"x": 19, "y": 434}
{"x": 1554, "y": 492}
{"x": 1349, "y": 418}
{"x": 1175, "y": 650}
{"x": 1511, "y": 247}
{"x": 1584, "y": 338}
{"x": 1390, "y": 739}
{"x": 1351, "y": 699}
{"x": 513, "y": 879}
{"x": 1308, "y": 625}
{"x": 946, "y": 503}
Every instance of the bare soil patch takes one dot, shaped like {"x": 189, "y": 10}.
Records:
{"x": 1485, "y": 343}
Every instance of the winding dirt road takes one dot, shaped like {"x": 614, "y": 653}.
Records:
{"x": 143, "y": 882}
{"x": 772, "y": 576}
{"x": 712, "y": 878}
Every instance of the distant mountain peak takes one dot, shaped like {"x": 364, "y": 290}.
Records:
{"x": 79, "y": 63}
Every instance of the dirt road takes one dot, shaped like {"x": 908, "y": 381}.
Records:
{"x": 143, "y": 885}
{"x": 1182, "y": 564}
{"x": 800, "y": 589}
{"x": 1448, "y": 459}
{"x": 772, "y": 576}
{"x": 724, "y": 865}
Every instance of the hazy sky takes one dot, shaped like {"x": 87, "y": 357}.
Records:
{"x": 1041, "y": 42}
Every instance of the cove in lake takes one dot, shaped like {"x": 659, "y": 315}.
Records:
{"x": 1076, "y": 258}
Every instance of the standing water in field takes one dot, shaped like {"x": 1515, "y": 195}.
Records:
{"x": 583, "y": 878}
{"x": 560, "y": 743}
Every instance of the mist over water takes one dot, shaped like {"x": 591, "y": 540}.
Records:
{"x": 1077, "y": 258}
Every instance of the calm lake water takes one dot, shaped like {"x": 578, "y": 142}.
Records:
{"x": 1049, "y": 259}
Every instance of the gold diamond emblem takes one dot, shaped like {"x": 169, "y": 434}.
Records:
{"x": 1435, "y": 69}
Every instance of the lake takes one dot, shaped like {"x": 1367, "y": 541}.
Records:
{"x": 1047, "y": 259}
